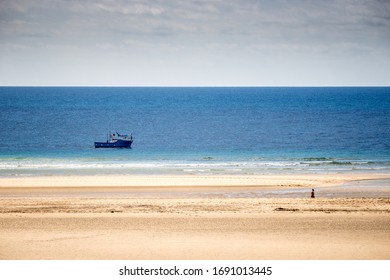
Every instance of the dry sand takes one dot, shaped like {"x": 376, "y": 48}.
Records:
{"x": 193, "y": 217}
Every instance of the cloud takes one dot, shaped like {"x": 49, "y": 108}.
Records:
{"x": 117, "y": 7}
{"x": 224, "y": 32}
{"x": 130, "y": 8}
{"x": 13, "y": 47}
{"x": 234, "y": 18}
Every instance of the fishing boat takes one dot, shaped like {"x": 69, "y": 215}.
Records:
{"x": 116, "y": 140}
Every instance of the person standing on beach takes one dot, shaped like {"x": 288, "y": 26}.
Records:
{"x": 312, "y": 193}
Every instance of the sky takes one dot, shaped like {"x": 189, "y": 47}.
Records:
{"x": 195, "y": 43}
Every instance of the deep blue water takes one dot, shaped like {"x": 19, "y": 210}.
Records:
{"x": 184, "y": 130}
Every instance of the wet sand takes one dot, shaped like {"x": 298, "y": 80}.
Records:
{"x": 259, "y": 217}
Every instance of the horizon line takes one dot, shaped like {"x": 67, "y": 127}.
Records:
{"x": 198, "y": 86}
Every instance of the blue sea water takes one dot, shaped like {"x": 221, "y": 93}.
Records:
{"x": 194, "y": 130}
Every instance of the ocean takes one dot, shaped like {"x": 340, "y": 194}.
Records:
{"x": 48, "y": 131}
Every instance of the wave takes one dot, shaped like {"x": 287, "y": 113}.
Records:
{"x": 317, "y": 159}
{"x": 342, "y": 162}
{"x": 207, "y": 158}
{"x": 208, "y": 165}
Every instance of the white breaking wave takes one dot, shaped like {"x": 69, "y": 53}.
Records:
{"x": 58, "y": 166}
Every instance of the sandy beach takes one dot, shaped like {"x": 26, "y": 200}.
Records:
{"x": 196, "y": 217}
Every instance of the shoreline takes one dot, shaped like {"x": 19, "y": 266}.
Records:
{"x": 304, "y": 180}
{"x": 221, "y": 186}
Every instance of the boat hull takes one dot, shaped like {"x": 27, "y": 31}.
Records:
{"x": 116, "y": 144}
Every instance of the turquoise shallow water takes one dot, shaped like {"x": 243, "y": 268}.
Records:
{"x": 51, "y": 130}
